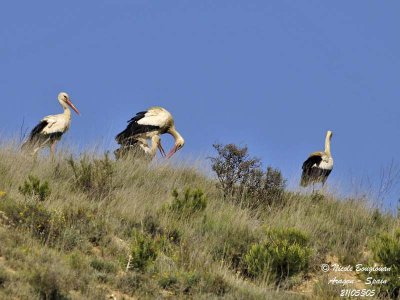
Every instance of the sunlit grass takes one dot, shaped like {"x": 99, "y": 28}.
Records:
{"x": 77, "y": 242}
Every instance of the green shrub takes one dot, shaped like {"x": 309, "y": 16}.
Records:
{"x": 241, "y": 178}
{"x": 234, "y": 168}
{"x": 188, "y": 204}
{"x": 95, "y": 177}
{"x": 386, "y": 250}
{"x": 283, "y": 253}
{"x": 34, "y": 189}
{"x": 144, "y": 251}
{"x": 31, "y": 216}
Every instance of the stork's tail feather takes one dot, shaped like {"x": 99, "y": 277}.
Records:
{"x": 123, "y": 137}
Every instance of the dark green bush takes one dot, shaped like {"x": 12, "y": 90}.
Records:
{"x": 283, "y": 253}
{"x": 32, "y": 216}
{"x": 93, "y": 177}
{"x": 144, "y": 251}
{"x": 189, "y": 203}
{"x": 234, "y": 168}
{"x": 34, "y": 189}
{"x": 386, "y": 250}
{"x": 241, "y": 178}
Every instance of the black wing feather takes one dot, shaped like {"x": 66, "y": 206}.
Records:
{"x": 133, "y": 129}
{"x": 37, "y": 137}
{"x": 310, "y": 173}
{"x": 37, "y": 130}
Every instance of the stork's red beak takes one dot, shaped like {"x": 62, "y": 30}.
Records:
{"x": 72, "y": 106}
{"x": 160, "y": 147}
{"x": 173, "y": 151}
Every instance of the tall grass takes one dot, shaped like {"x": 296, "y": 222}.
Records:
{"x": 103, "y": 214}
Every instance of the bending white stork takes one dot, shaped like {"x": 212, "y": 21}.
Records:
{"x": 51, "y": 128}
{"x": 319, "y": 165}
{"x": 145, "y": 125}
{"x": 141, "y": 148}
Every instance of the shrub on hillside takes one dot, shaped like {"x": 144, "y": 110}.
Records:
{"x": 94, "y": 177}
{"x": 34, "y": 189}
{"x": 234, "y": 168}
{"x": 283, "y": 253}
{"x": 31, "y": 216}
{"x": 191, "y": 202}
{"x": 144, "y": 251}
{"x": 241, "y": 178}
{"x": 386, "y": 250}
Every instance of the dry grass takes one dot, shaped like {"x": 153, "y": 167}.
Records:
{"x": 76, "y": 243}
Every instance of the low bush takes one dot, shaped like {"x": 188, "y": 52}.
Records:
{"x": 191, "y": 202}
{"x": 34, "y": 189}
{"x": 386, "y": 250}
{"x": 31, "y": 216}
{"x": 144, "y": 251}
{"x": 241, "y": 178}
{"x": 283, "y": 253}
{"x": 93, "y": 177}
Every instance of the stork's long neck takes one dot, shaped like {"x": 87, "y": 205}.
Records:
{"x": 175, "y": 134}
{"x": 328, "y": 145}
{"x": 67, "y": 111}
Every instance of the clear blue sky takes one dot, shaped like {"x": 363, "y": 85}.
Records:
{"x": 274, "y": 75}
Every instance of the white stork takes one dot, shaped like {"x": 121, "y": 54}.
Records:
{"x": 319, "y": 165}
{"x": 145, "y": 125}
{"x": 51, "y": 128}
{"x": 141, "y": 148}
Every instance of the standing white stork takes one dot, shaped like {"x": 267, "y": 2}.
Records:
{"x": 51, "y": 128}
{"x": 145, "y": 125}
{"x": 319, "y": 165}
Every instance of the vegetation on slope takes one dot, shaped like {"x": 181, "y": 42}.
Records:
{"x": 95, "y": 228}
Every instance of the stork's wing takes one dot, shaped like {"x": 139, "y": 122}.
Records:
{"x": 314, "y": 159}
{"x": 156, "y": 116}
{"x": 38, "y": 129}
{"x": 154, "y": 119}
{"x": 55, "y": 124}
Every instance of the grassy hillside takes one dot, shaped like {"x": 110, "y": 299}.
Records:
{"x": 95, "y": 228}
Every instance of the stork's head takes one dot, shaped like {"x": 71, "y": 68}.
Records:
{"x": 64, "y": 100}
{"x": 179, "y": 143}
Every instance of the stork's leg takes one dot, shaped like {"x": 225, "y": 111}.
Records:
{"x": 53, "y": 149}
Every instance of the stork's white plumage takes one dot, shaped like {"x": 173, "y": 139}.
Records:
{"x": 147, "y": 124}
{"x": 51, "y": 128}
{"x": 319, "y": 164}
